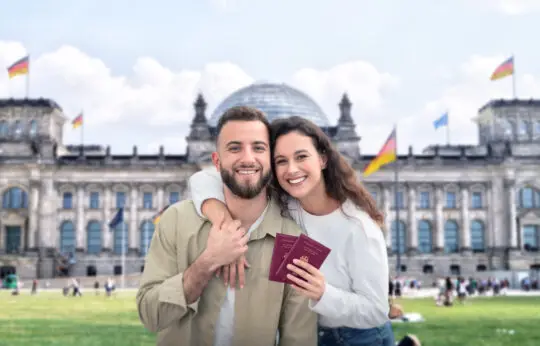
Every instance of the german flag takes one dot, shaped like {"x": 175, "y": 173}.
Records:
{"x": 503, "y": 70}
{"x": 158, "y": 215}
{"x": 386, "y": 155}
{"x": 78, "y": 121}
{"x": 19, "y": 67}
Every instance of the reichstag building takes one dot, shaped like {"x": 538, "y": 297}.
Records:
{"x": 464, "y": 209}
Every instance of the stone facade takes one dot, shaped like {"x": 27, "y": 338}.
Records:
{"x": 461, "y": 209}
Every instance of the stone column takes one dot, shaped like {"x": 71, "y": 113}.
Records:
{"x": 47, "y": 235}
{"x": 412, "y": 229}
{"x": 510, "y": 186}
{"x": 33, "y": 221}
{"x": 387, "y": 215}
{"x": 106, "y": 235}
{"x": 160, "y": 198}
{"x": 439, "y": 219}
{"x": 133, "y": 218}
{"x": 499, "y": 203}
{"x": 465, "y": 237}
{"x": 80, "y": 238}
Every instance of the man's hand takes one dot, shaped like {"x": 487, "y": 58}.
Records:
{"x": 226, "y": 243}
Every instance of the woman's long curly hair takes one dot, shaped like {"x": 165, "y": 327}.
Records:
{"x": 339, "y": 177}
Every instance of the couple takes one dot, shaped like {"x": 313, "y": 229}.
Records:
{"x": 180, "y": 296}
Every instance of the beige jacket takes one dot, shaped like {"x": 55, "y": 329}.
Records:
{"x": 262, "y": 307}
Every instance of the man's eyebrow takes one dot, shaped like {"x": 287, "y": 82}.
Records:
{"x": 261, "y": 143}
{"x": 233, "y": 143}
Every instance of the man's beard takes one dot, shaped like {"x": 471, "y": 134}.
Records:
{"x": 245, "y": 191}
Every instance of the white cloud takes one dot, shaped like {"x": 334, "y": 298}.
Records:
{"x": 510, "y": 7}
{"x": 153, "y": 105}
{"x": 364, "y": 84}
{"x": 472, "y": 90}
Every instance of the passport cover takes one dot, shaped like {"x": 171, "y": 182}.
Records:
{"x": 304, "y": 249}
{"x": 282, "y": 245}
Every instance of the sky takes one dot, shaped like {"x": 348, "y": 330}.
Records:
{"x": 135, "y": 67}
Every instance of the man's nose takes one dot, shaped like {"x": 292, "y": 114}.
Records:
{"x": 249, "y": 156}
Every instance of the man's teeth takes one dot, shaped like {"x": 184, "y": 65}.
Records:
{"x": 296, "y": 181}
{"x": 247, "y": 172}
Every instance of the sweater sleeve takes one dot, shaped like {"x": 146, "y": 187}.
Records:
{"x": 366, "y": 304}
{"x": 203, "y": 185}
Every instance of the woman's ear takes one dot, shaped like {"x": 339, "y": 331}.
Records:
{"x": 324, "y": 160}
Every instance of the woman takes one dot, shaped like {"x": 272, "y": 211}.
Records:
{"x": 320, "y": 190}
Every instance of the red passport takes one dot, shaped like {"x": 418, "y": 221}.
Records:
{"x": 304, "y": 249}
{"x": 282, "y": 245}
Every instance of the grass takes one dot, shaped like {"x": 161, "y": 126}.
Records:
{"x": 49, "y": 319}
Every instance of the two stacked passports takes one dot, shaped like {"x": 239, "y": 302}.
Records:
{"x": 287, "y": 248}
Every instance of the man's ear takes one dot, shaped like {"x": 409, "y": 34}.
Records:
{"x": 215, "y": 160}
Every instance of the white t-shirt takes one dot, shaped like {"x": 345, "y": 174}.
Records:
{"x": 356, "y": 270}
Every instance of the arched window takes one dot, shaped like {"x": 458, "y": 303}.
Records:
{"x": 33, "y": 128}
{"x": 118, "y": 238}
{"x": 4, "y": 129}
{"x": 425, "y": 238}
{"x": 17, "y": 129}
{"x": 67, "y": 237}
{"x": 15, "y": 198}
{"x": 478, "y": 242}
{"x": 402, "y": 237}
{"x": 147, "y": 231}
{"x": 93, "y": 237}
{"x": 451, "y": 237}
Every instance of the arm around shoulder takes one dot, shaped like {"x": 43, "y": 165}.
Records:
{"x": 162, "y": 297}
{"x": 205, "y": 185}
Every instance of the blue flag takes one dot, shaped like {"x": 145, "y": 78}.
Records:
{"x": 442, "y": 121}
{"x": 117, "y": 219}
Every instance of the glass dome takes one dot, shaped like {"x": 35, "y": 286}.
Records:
{"x": 275, "y": 100}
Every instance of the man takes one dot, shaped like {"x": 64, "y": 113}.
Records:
{"x": 181, "y": 298}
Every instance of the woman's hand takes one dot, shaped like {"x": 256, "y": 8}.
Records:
{"x": 314, "y": 285}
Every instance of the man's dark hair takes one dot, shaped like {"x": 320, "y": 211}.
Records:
{"x": 241, "y": 113}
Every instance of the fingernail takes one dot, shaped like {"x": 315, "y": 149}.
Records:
{"x": 295, "y": 261}
{"x": 289, "y": 266}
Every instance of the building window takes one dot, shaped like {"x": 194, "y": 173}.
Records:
{"x": 33, "y": 128}
{"x": 15, "y": 198}
{"x": 147, "y": 200}
{"x": 13, "y": 239}
{"x": 121, "y": 238}
{"x": 451, "y": 200}
{"x": 67, "y": 237}
{"x": 476, "y": 200}
{"x": 93, "y": 237}
{"x": 4, "y": 129}
{"x": 537, "y": 128}
{"x": 120, "y": 199}
{"x": 174, "y": 197}
{"x": 400, "y": 200}
{"x": 402, "y": 237}
{"x": 425, "y": 242}
{"x": 451, "y": 237}
{"x": 17, "y": 128}
{"x": 477, "y": 236}
{"x": 67, "y": 200}
{"x": 94, "y": 200}
{"x": 530, "y": 236}
{"x": 147, "y": 231}
{"x": 424, "y": 202}
{"x": 529, "y": 198}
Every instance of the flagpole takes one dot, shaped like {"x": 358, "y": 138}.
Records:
{"x": 447, "y": 127}
{"x": 514, "y": 78}
{"x": 123, "y": 280}
{"x": 82, "y": 134}
{"x": 397, "y": 206}
{"x": 28, "y": 79}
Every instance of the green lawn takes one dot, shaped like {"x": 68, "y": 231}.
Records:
{"x": 51, "y": 319}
